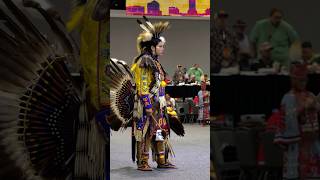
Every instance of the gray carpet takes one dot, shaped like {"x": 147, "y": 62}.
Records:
{"x": 192, "y": 157}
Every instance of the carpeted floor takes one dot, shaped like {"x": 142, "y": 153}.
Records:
{"x": 192, "y": 157}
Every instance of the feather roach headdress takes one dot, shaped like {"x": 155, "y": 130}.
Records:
{"x": 151, "y": 34}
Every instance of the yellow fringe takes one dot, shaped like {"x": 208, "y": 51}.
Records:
{"x": 76, "y": 18}
{"x": 133, "y": 67}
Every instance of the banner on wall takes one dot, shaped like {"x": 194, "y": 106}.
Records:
{"x": 168, "y": 7}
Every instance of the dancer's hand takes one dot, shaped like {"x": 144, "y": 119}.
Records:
{"x": 149, "y": 112}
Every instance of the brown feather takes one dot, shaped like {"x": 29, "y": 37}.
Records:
{"x": 38, "y": 102}
{"x": 176, "y": 125}
{"x": 121, "y": 94}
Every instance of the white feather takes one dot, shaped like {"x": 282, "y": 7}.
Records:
{"x": 144, "y": 28}
{"x": 150, "y": 25}
{"x": 162, "y": 39}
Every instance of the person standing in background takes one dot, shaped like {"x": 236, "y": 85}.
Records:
{"x": 224, "y": 44}
{"x": 179, "y": 73}
{"x": 280, "y": 34}
{"x": 204, "y": 104}
{"x": 243, "y": 39}
{"x": 298, "y": 132}
{"x": 245, "y": 49}
{"x": 195, "y": 71}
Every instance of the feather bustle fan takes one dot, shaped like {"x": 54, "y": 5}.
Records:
{"x": 39, "y": 104}
{"x": 122, "y": 92}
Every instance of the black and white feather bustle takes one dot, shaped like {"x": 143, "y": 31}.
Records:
{"x": 122, "y": 91}
{"x": 38, "y": 102}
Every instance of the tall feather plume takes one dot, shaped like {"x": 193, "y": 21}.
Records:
{"x": 160, "y": 27}
{"x": 143, "y": 26}
{"x": 38, "y": 103}
{"x": 157, "y": 28}
{"x": 150, "y": 31}
{"x": 148, "y": 23}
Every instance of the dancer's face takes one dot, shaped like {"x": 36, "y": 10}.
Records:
{"x": 159, "y": 49}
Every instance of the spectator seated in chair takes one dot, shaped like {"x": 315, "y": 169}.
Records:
{"x": 311, "y": 59}
{"x": 265, "y": 60}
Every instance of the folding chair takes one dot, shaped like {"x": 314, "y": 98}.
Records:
{"x": 247, "y": 147}
{"x": 182, "y": 111}
{"x": 224, "y": 153}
